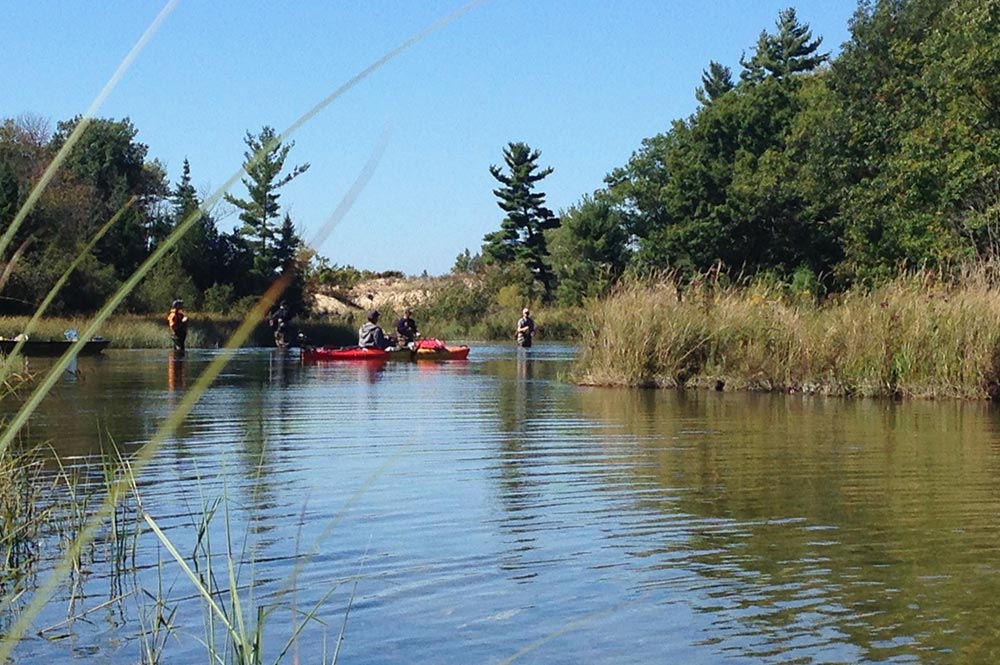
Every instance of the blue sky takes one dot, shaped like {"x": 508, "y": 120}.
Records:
{"x": 583, "y": 81}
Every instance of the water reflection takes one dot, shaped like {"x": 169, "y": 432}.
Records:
{"x": 175, "y": 371}
{"x": 497, "y": 510}
{"x": 825, "y": 521}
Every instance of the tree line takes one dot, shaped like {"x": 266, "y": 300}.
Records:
{"x": 831, "y": 172}
{"x": 822, "y": 171}
{"x": 107, "y": 175}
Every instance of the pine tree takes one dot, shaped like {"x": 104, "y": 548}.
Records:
{"x": 264, "y": 163}
{"x": 521, "y": 237}
{"x": 716, "y": 81}
{"x": 200, "y": 253}
{"x": 791, "y": 51}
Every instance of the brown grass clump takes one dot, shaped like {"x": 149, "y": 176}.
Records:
{"x": 918, "y": 336}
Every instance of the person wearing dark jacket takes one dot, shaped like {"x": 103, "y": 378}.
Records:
{"x": 370, "y": 335}
{"x": 406, "y": 328}
{"x": 525, "y": 329}
{"x": 280, "y": 322}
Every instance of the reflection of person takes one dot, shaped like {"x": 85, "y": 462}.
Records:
{"x": 525, "y": 328}
{"x": 175, "y": 372}
{"x": 280, "y": 322}
{"x": 370, "y": 335}
{"x": 177, "y": 321}
{"x": 406, "y": 328}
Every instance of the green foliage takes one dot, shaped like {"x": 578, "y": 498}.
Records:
{"x": 461, "y": 302}
{"x": 219, "y": 298}
{"x": 166, "y": 282}
{"x": 791, "y": 50}
{"x": 916, "y": 83}
{"x": 273, "y": 247}
{"x": 589, "y": 251}
{"x": 886, "y": 159}
{"x": 467, "y": 263}
{"x": 203, "y": 252}
{"x": 716, "y": 81}
{"x": 347, "y": 276}
{"x": 107, "y": 175}
{"x": 111, "y": 167}
{"x": 521, "y": 238}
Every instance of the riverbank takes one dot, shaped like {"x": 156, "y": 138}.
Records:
{"x": 150, "y": 331}
{"x": 916, "y": 337}
{"x": 450, "y": 306}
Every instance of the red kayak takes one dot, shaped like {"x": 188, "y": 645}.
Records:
{"x": 425, "y": 349}
{"x": 347, "y": 353}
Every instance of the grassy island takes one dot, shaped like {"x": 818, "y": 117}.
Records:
{"x": 917, "y": 336}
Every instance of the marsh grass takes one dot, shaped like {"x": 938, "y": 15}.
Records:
{"x": 150, "y": 331}
{"x": 91, "y": 512}
{"x": 921, "y": 335}
{"x": 20, "y": 518}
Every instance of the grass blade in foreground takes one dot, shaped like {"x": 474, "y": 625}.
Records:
{"x": 145, "y": 454}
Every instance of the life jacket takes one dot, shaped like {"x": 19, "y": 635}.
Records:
{"x": 175, "y": 319}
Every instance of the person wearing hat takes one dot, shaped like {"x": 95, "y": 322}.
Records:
{"x": 280, "y": 321}
{"x": 177, "y": 321}
{"x": 406, "y": 328}
{"x": 370, "y": 335}
{"x": 525, "y": 329}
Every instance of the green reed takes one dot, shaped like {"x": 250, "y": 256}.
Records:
{"x": 81, "y": 534}
{"x": 149, "y": 331}
{"x": 920, "y": 335}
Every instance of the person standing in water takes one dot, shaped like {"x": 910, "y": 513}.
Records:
{"x": 525, "y": 329}
{"x": 177, "y": 321}
{"x": 281, "y": 323}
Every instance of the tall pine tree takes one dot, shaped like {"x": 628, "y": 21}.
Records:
{"x": 521, "y": 237}
{"x": 791, "y": 50}
{"x": 264, "y": 163}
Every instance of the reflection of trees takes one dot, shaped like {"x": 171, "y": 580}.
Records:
{"x": 523, "y": 402}
{"x": 865, "y": 524}
{"x": 126, "y": 399}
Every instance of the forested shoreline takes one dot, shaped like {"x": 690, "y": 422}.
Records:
{"x": 824, "y": 173}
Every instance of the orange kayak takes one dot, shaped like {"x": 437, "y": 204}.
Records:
{"x": 436, "y": 349}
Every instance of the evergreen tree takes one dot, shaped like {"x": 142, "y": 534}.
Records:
{"x": 792, "y": 50}
{"x": 200, "y": 252}
{"x": 287, "y": 246}
{"x": 264, "y": 163}
{"x": 521, "y": 237}
{"x": 716, "y": 81}
{"x": 466, "y": 263}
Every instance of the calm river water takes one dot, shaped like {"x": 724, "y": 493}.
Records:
{"x": 488, "y": 512}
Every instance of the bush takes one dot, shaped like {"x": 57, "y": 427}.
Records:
{"x": 219, "y": 298}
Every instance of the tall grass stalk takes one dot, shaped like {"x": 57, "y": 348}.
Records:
{"x": 244, "y": 640}
{"x": 44, "y": 592}
{"x": 29, "y": 327}
{"x": 20, "y": 518}
{"x": 921, "y": 335}
{"x": 81, "y": 127}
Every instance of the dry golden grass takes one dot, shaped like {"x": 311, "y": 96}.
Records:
{"x": 918, "y": 336}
